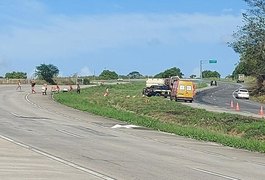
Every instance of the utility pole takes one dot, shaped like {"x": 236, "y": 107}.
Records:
{"x": 201, "y": 69}
{"x": 211, "y": 61}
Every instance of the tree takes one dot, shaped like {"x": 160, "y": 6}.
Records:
{"x": 47, "y": 72}
{"x": 169, "y": 73}
{"x": 229, "y": 76}
{"x": 107, "y": 75}
{"x": 134, "y": 75}
{"x": 86, "y": 81}
{"x": 16, "y": 75}
{"x": 249, "y": 40}
{"x": 192, "y": 76}
{"x": 210, "y": 74}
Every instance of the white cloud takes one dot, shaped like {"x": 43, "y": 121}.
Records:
{"x": 29, "y": 32}
{"x": 23, "y": 13}
{"x": 227, "y": 10}
{"x": 31, "y": 74}
{"x": 196, "y": 71}
{"x": 3, "y": 62}
{"x": 64, "y": 36}
{"x": 85, "y": 71}
{"x": 118, "y": 6}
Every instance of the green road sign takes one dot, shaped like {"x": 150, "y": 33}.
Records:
{"x": 212, "y": 61}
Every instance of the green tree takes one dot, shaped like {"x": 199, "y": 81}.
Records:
{"x": 86, "y": 81}
{"x": 169, "y": 73}
{"x": 193, "y": 76}
{"x": 135, "y": 75}
{"x": 249, "y": 40}
{"x": 16, "y": 75}
{"x": 47, "y": 72}
{"x": 107, "y": 75}
{"x": 210, "y": 74}
{"x": 242, "y": 68}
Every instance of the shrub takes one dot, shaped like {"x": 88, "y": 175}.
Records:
{"x": 86, "y": 81}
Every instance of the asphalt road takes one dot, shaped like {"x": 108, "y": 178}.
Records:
{"x": 50, "y": 141}
{"x": 220, "y": 97}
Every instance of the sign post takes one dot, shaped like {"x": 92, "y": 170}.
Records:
{"x": 211, "y": 61}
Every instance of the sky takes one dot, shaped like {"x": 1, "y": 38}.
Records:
{"x": 148, "y": 36}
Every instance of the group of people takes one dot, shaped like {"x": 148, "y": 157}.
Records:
{"x": 45, "y": 88}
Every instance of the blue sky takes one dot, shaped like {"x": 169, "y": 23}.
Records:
{"x": 88, "y": 36}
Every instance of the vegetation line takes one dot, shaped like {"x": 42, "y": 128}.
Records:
{"x": 126, "y": 103}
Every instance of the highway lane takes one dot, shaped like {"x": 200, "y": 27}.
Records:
{"x": 221, "y": 97}
{"x": 93, "y": 145}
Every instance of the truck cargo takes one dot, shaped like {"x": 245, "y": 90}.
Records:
{"x": 156, "y": 87}
{"x": 241, "y": 78}
{"x": 155, "y": 81}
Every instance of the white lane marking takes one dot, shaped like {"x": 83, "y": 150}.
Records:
{"x": 124, "y": 126}
{"x": 27, "y": 99}
{"x": 57, "y": 112}
{"x": 94, "y": 173}
{"x": 14, "y": 114}
{"x": 215, "y": 174}
{"x": 233, "y": 94}
{"x": 69, "y": 133}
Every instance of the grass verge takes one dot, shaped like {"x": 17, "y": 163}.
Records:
{"x": 126, "y": 103}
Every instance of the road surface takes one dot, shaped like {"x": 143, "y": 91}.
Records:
{"x": 50, "y": 141}
{"x": 219, "y": 99}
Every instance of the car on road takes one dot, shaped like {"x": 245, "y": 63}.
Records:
{"x": 241, "y": 94}
{"x": 213, "y": 83}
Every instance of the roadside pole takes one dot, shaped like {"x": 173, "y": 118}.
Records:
{"x": 201, "y": 69}
{"x": 211, "y": 61}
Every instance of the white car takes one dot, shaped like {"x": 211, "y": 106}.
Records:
{"x": 241, "y": 93}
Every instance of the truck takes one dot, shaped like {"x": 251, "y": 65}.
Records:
{"x": 156, "y": 87}
{"x": 240, "y": 78}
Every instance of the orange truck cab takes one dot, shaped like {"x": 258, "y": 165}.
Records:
{"x": 182, "y": 90}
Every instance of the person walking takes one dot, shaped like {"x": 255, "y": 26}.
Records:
{"x": 70, "y": 88}
{"x": 33, "y": 83}
{"x": 57, "y": 88}
{"x": 19, "y": 85}
{"x": 44, "y": 89}
{"x": 78, "y": 89}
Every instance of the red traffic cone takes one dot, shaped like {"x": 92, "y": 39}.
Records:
{"x": 261, "y": 111}
{"x": 237, "y": 107}
{"x": 232, "y": 104}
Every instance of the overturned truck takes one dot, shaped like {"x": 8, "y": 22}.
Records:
{"x": 156, "y": 87}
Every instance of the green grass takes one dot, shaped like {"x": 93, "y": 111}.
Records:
{"x": 126, "y": 103}
{"x": 201, "y": 85}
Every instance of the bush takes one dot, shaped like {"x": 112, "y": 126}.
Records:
{"x": 86, "y": 81}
